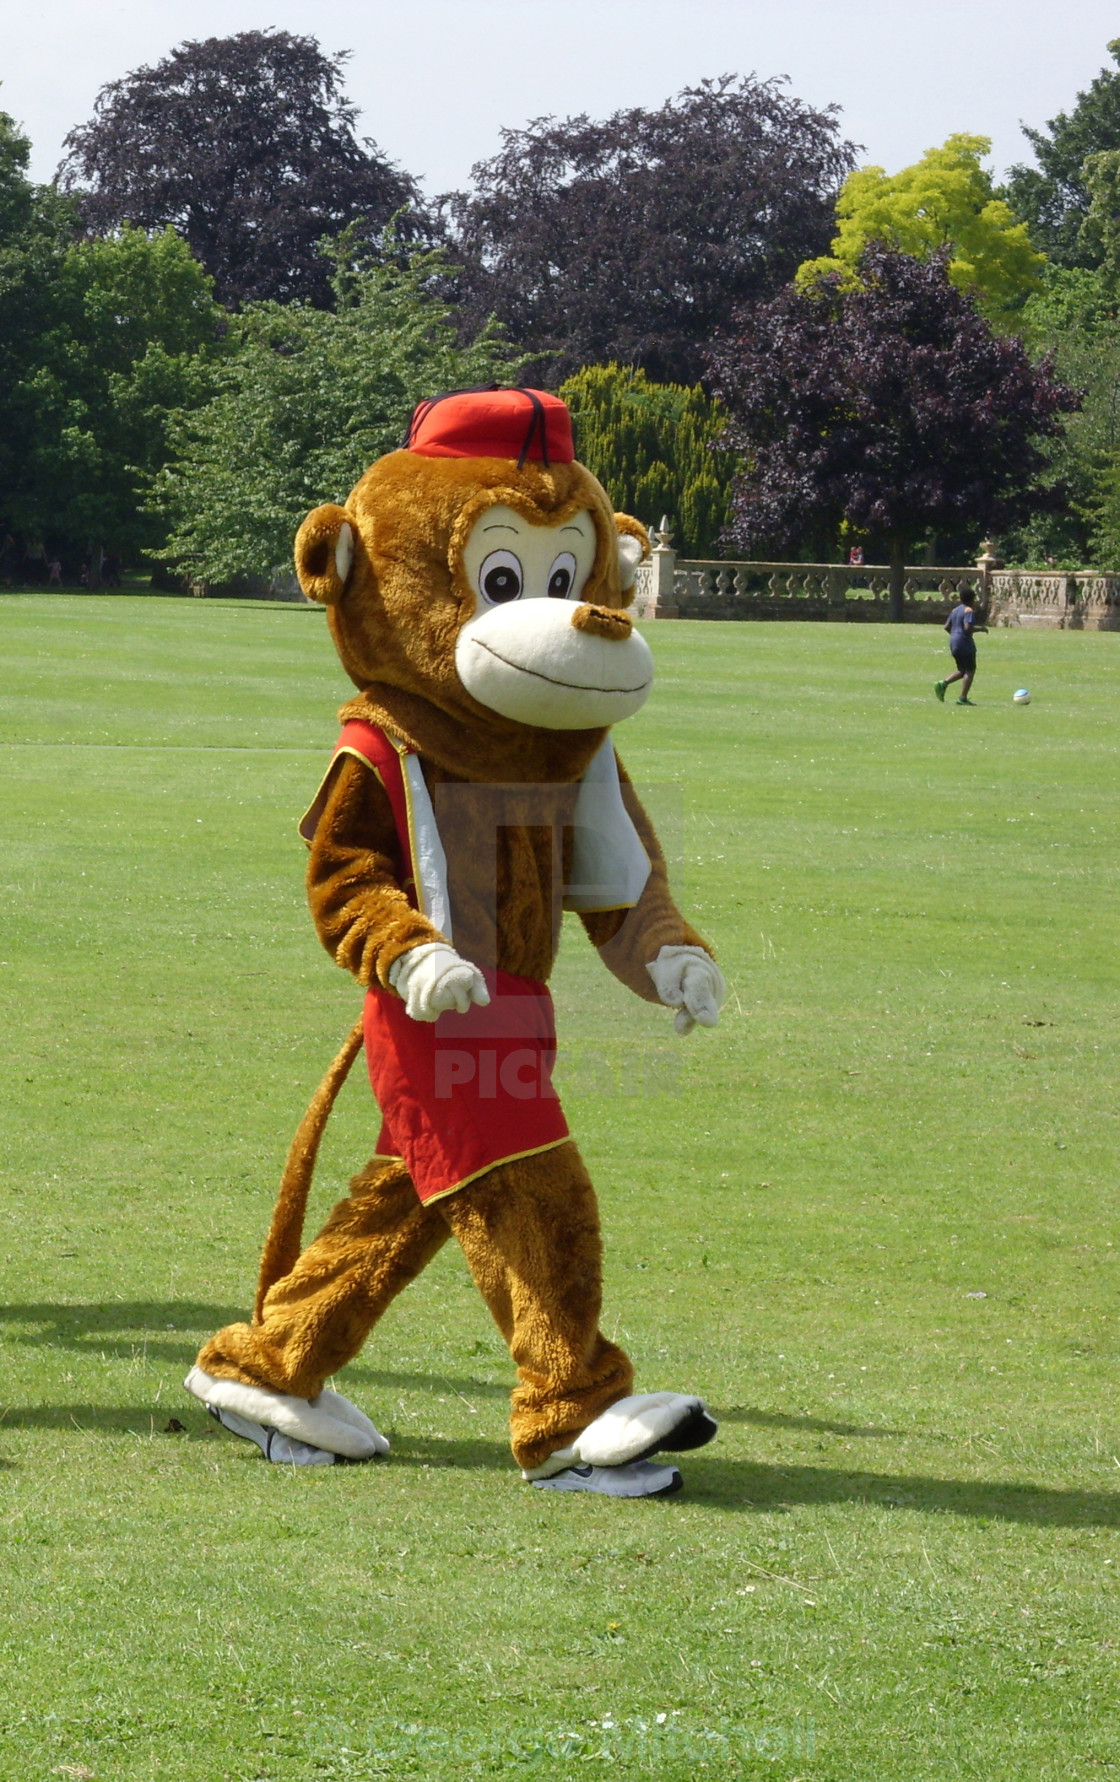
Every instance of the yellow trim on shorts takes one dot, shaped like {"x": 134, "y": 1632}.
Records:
{"x": 514, "y": 1157}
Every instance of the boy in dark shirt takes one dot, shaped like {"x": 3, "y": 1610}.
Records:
{"x": 961, "y": 627}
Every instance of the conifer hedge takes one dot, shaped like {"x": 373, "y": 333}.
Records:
{"x": 650, "y": 445}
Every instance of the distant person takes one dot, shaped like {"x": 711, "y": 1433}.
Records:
{"x": 34, "y": 564}
{"x": 54, "y": 573}
{"x": 962, "y": 627}
{"x": 855, "y": 556}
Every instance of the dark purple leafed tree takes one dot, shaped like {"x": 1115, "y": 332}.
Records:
{"x": 246, "y": 146}
{"x": 892, "y": 406}
{"x": 633, "y": 238}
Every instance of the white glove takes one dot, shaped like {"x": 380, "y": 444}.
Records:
{"x": 689, "y": 980}
{"x": 434, "y": 978}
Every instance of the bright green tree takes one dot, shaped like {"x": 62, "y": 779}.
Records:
{"x": 945, "y": 200}
{"x": 99, "y": 342}
{"x": 36, "y": 229}
{"x": 650, "y": 446}
{"x": 306, "y": 399}
{"x": 131, "y": 338}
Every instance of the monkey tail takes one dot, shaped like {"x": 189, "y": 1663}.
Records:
{"x": 285, "y": 1234}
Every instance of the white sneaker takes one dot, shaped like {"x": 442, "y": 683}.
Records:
{"x": 640, "y": 1479}
{"x": 634, "y": 1429}
{"x": 275, "y": 1446}
{"x": 329, "y": 1422}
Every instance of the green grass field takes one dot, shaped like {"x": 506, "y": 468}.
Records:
{"x": 872, "y": 1219}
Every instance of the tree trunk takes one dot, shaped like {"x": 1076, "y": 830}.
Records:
{"x": 898, "y": 580}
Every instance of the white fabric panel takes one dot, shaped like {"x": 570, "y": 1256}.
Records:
{"x": 609, "y": 864}
{"x": 430, "y": 863}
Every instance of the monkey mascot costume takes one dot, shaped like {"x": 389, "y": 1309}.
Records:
{"x": 475, "y": 584}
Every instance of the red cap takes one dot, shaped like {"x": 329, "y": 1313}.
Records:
{"x": 493, "y": 423}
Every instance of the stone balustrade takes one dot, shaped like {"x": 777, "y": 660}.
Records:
{"x": 1080, "y": 600}
{"x": 716, "y": 590}
{"x": 672, "y": 587}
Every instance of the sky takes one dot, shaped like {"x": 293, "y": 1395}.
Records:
{"x": 437, "y": 80}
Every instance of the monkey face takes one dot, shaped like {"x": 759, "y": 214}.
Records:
{"x": 532, "y": 649}
{"x": 494, "y": 592}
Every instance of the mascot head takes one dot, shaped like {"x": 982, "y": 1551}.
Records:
{"x": 482, "y": 568}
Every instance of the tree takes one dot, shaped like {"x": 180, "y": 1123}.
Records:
{"x": 1074, "y": 318}
{"x": 891, "y": 405}
{"x": 130, "y": 337}
{"x": 650, "y": 447}
{"x": 307, "y": 398}
{"x": 1102, "y": 511}
{"x": 1100, "y": 230}
{"x": 1053, "y": 198}
{"x": 99, "y": 340}
{"x": 36, "y": 229}
{"x": 632, "y": 239}
{"x": 246, "y": 146}
{"x": 945, "y": 200}
{"x": 1073, "y": 321}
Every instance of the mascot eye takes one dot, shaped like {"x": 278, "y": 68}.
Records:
{"x": 561, "y": 576}
{"x": 501, "y": 577}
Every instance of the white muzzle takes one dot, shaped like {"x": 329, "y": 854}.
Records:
{"x": 527, "y": 661}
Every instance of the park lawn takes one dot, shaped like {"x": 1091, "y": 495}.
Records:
{"x": 872, "y": 1219}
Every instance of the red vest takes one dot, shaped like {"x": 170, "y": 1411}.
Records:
{"x": 462, "y": 1094}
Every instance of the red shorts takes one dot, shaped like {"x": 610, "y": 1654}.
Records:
{"x": 466, "y": 1092}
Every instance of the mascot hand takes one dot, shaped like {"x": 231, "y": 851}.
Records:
{"x": 689, "y": 980}
{"x": 434, "y": 979}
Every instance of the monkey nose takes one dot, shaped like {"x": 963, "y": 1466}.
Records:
{"x": 603, "y": 621}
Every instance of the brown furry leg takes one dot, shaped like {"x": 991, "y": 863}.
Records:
{"x": 317, "y": 1318}
{"x": 530, "y": 1233}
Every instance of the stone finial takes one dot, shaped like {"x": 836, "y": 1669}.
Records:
{"x": 663, "y": 535}
{"x": 988, "y": 558}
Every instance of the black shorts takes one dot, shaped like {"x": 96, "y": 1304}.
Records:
{"x": 965, "y": 661}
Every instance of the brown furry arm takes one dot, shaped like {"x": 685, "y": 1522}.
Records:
{"x": 628, "y": 940}
{"x": 362, "y": 916}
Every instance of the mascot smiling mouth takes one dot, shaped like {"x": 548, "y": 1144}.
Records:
{"x": 548, "y": 664}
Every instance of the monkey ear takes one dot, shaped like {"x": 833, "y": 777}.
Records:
{"x": 324, "y": 553}
{"x": 633, "y": 547}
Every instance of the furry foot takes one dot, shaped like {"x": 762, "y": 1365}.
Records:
{"x": 640, "y": 1479}
{"x": 634, "y": 1429}
{"x": 329, "y": 1423}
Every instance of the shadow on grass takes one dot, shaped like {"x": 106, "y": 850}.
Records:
{"x": 738, "y": 1485}
{"x": 742, "y": 1485}
{"x": 121, "y": 1328}
{"x": 100, "y": 1420}
{"x": 166, "y": 1330}
{"x": 780, "y": 1420}
{"x": 172, "y": 1330}
{"x": 196, "y": 1426}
